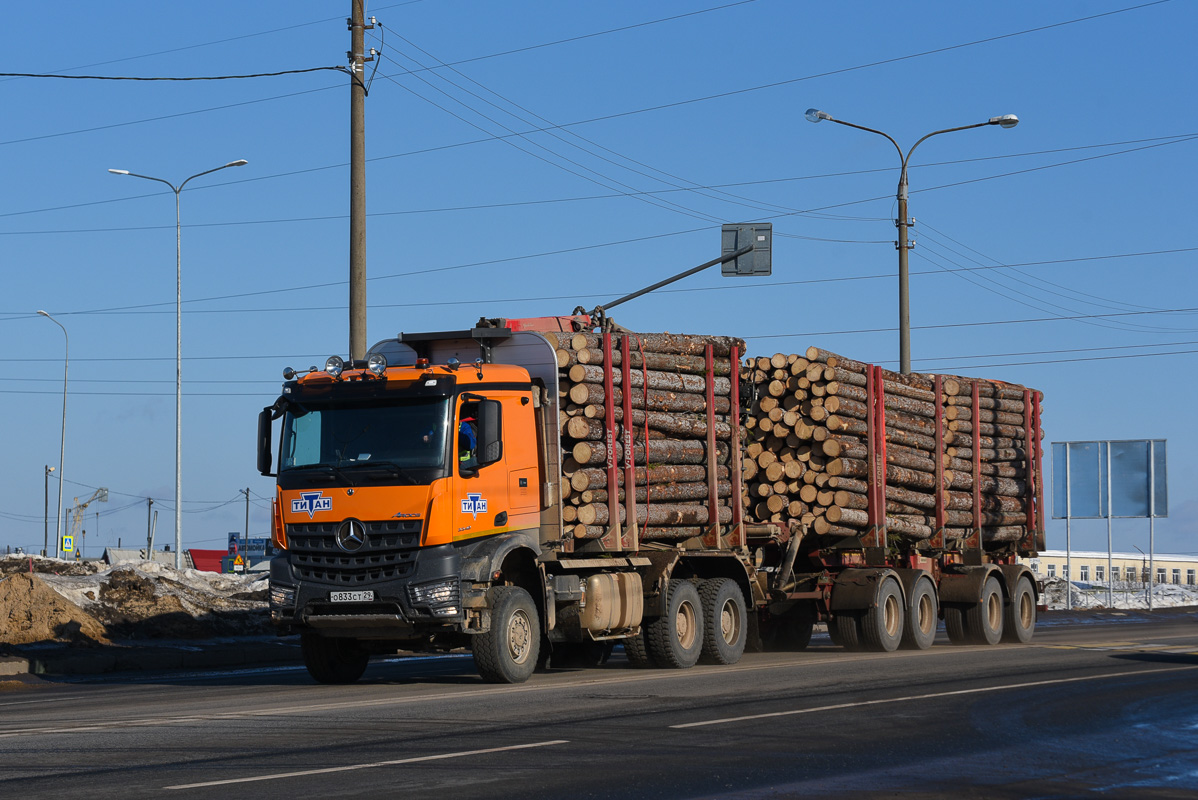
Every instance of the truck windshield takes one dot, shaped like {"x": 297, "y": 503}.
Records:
{"x": 409, "y": 435}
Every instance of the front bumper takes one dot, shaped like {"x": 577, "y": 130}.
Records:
{"x": 417, "y": 591}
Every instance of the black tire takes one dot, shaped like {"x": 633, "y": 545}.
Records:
{"x": 579, "y": 655}
{"x": 1020, "y": 618}
{"x": 675, "y": 641}
{"x": 725, "y": 621}
{"x": 637, "y": 653}
{"x": 509, "y": 651}
{"x": 332, "y": 660}
{"x": 984, "y": 620}
{"x": 792, "y": 632}
{"x": 922, "y": 613}
{"x": 882, "y": 624}
{"x": 847, "y": 627}
{"x": 954, "y": 624}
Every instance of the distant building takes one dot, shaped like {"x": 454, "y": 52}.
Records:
{"x": 118, "y": 555}
{"x": 1089, "y": 566}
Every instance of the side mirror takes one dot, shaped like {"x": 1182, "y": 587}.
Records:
{"x": 264, "y": 443}
{"x": 490, "y": 432}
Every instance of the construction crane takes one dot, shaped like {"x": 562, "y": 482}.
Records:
{"x": 76, "y": 513}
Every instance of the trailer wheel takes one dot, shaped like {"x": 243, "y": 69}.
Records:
{"x": 920, "y": 629}
{"x": 954, "y": 624}
{"x": 984, "y": 619}
{"x": 792, "y": 631}
{"x": 331, "y": 660}
{"x": 1020, "y": 621}
{"x": 725, "y": 629}
{"x": 882, "y": 624}
{"x": 508, "y": 652}
{"x": 674, "y": 641}
{"x": 845, "y": 629}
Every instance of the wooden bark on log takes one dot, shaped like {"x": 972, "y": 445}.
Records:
{"x": 662, "y": 492}
{"x": 655, "y": 514}
{"x": 585, "y": 394}
{"x": 677, "y": 344}
{"x": 662, "y": 451}
{"x": 677, "y": 425}
{"x": 663, "y": 362}
{"x": 663, "y": 381}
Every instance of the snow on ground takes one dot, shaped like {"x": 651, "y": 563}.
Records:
{"x": 1125, "y": 595}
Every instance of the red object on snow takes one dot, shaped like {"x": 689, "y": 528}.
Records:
{"x": 207, "y": 560}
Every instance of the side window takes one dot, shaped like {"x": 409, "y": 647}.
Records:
{"x": 467, "y": 432}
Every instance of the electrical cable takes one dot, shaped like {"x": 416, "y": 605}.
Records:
{"x": 160, "y": 78}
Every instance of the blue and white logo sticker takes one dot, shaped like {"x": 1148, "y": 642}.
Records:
{"x": 311, "y": 502}
{"x": 474, "y": 504}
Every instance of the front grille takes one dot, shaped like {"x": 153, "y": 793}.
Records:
{"x": 389, "y": 552}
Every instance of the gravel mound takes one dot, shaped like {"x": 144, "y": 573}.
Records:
{"x": 30, "y": 611}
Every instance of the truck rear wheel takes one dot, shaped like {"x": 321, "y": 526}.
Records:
{"x": 724, "y": 621}
{"x": 675, "y": 640}
{"x": 508, "y": 652}
{"x": 331, "y": 660}
{"x": 920, "y": 629}
{"x": 882, "y": 624}
{"x": 1020, "y": 621}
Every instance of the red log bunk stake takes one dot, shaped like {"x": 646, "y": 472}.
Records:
{"x": 631, "y": 535}
{"x": 880, "y": 433}
{"x": 1031, "y": 427}
{"x": 739, "y": 538}
{"x": 977, "y": 467}
{"x": 611, "y": 539}
{"x": 938, "y": 536}
{"x": 712, "y": 537}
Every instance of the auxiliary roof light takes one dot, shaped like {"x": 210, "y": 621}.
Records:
{"x": 288, "y": 374}
{"x": 334, "y": 366}
{"x": 377, "y": 363}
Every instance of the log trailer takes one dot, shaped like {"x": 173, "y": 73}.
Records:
{"x": 419, "y": 505}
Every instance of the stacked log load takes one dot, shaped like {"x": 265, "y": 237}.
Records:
{"x": 807, "y": 457}
{"x": 668, "y": 430}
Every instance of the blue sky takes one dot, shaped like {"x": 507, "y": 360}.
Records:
{"x": 658, "y": 130}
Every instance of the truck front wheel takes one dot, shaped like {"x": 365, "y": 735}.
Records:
{"x": 332, "y": 660}
{"x": 675, "y": 641}
{"x": 508, "y": 652}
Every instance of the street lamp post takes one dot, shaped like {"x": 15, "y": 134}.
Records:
{"x": 46, "y": 543}
{"x": 1005, "y": 121}
{"x": 178, "y": 346}
{"x": 62, "y": 443}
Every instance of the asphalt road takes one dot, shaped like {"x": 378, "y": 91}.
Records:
{"x": 1094, "y": 707}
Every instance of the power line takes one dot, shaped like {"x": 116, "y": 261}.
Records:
{"x": 162, "y": 78}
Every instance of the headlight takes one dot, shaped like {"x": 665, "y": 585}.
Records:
{"x": 377, "y": 364}
{"x": 334, "y": 366}
{"x": 441, "y": 598}
{"x": 281, "y": 596}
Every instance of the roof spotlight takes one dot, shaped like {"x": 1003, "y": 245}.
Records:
{"x": 334, "y": 366}
{"x": 288, "y": 374}
{"x": 377, "y": 363}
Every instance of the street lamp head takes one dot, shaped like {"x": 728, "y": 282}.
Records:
{"x": 1005, "y": 121}
{"x": 815, "y": 115}
{"x": 42, "y": 313}
{"x": 119, "y": 171}
{"x": 241, "y": 162}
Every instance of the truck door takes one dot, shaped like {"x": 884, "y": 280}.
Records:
{"x": 481, "y": 478}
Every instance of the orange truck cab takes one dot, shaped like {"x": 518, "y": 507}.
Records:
{"x": 418, "y": 503}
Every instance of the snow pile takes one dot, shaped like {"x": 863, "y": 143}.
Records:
{"x": 135, "y": 600}
{"x": 1164, "y": 595}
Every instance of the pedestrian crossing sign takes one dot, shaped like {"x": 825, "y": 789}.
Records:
{"x": 68, "y": 544}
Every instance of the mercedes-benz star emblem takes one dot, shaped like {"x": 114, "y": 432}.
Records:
{"x": 351, "y": 535}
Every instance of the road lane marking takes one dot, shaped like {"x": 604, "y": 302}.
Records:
{"x": 956, "y": 693}
{"x": 440, "y": 757}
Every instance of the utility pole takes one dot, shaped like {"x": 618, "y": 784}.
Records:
{"x": 357, "y": 180}
{"x": 245, "y": 539}
{"x": 46, "y": 544}
{"x": 149, "y": 529}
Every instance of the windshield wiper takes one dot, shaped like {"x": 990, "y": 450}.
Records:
{"x": 330, "y": 470}
{"x": 390, "y": 466}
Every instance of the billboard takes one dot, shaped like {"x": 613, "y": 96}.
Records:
{"x": 1117, "y": 479}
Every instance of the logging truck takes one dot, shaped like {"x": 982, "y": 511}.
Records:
{"x": 544, "y": 489}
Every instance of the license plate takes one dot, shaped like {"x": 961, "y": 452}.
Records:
{"x": 351, "y": 597}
